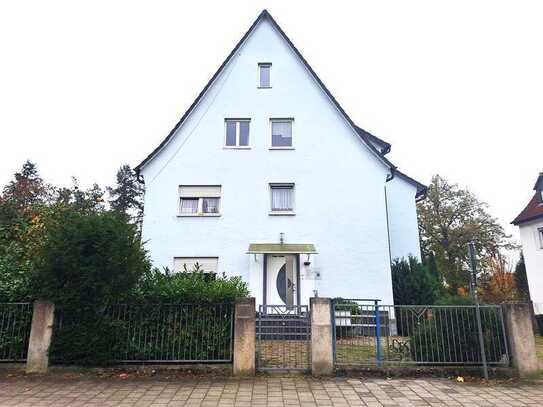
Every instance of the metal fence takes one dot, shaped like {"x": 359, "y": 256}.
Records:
{"x": 15, "y": 322}
{"x": 388, "y": 335}
{"x": 157, "y": 333}
{"x": 283, "y": 336}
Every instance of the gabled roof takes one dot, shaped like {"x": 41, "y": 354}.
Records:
{"x": 369, "y": 139}
{"x": 365, "y": 136}
{"x": 534, "y": 209}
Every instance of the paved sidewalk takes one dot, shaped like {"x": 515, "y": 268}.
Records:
{"x": 273, "y": 392}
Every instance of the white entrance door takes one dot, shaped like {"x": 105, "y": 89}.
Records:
{"x": 281, "y": 280}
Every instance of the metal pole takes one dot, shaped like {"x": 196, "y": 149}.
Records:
{"x": 333, "y": 317}
{"x": 471, "y": 248}
{"x": 378, "y": 334}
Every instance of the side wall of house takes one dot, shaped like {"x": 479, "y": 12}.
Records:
{"x": 533, "y": 256}
{"x": 402, "y": 219}
{"x": 339, "y": 183}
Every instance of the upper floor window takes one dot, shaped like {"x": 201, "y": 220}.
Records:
{"x": 237, "y": 133}
{"x": 282, "y": 199}
{"x": 199, "y": 200}
{"x": 264, "y": 75}
{"x": 540, "y": 235}
{"x": 281, "y": 132}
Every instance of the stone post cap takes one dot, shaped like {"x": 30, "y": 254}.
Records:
{"x": 320, "y": 300}
{"x": 248, "y": 300}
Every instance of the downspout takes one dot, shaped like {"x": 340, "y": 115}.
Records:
{"x": 390, "y": 177}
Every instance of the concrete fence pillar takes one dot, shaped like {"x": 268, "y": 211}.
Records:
{"x": 520, "y": 333}
{"x": 322, "y": 352}
{"x": 244, "y": 338}
{"x": 41, "y": 331}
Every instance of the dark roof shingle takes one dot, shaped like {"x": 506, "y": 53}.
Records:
{"x": 534, "y": 209}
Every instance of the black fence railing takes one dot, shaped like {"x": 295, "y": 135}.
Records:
{"x": 153, "y": 333}
{"x": 283, "y": 335}
{"x": 388, "y": 335}
{"x": 15, "y": 322}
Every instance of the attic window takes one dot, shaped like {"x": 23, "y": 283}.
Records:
{"x": 264, "y": 75}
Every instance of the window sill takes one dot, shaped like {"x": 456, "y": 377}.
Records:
{"x": 263, "y": 87}
{"x": 199, "y": 215}
{"x": 236, "y": 147}
{"x": 282, "y": 148}
{"x": 285, "y": 213}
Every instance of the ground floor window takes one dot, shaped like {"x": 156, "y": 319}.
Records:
{"x": 206, "y": 265}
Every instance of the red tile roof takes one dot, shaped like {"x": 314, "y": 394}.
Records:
{"x": 533, "y": 210}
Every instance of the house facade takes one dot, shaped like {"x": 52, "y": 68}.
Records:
{"x": 530, "y": 223}
{"x": 266, "y": 177}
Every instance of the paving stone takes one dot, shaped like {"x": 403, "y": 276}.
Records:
{"x": 264, "y": 392}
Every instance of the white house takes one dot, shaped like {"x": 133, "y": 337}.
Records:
{"x": 530, "y": 223}
{"x": 266, "y": 176}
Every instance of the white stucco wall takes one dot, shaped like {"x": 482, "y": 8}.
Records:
{"x": 402, "y": 219}
{"x": 533, "y": 256}
{"x": 339, "y": 184}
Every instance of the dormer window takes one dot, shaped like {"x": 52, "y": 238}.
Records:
{"x": 264, "y": 75}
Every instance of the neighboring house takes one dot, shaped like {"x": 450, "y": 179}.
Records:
{"x": 266, "y": 177}
{"x": 530, "y": 223}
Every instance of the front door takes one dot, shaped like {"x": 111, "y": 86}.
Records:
{"x": 281, "y": 280}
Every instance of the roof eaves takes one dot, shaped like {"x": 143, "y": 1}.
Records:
{"x": 385, "y": 147}
{"x": 421, "y": 188}
{"x": 518, "y": 221}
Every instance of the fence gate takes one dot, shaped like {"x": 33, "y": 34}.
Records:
{"x": 369, "y": 334}
{"x": 283, "y": 335}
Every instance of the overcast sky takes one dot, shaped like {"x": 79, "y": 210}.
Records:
{"x": 456, "y": 87}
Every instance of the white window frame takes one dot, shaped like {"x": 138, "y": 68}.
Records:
{"x": 200, "y": 211}
{"x": 213, "y": 258}
{"x": 290, "y": 185}
{"x": 237, "y": 146}
{"x": 264, "y": 64}
{"x": 540, "y": 237}
{"x": 282, "y": 120}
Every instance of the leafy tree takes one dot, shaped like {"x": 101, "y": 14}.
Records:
{"x": 449, "y": 218}
{"x": 127, "y": 195}
{"x": 89, "y": 200}
{"x": 413, "y": 283}
{"x": 27, "y": 189}
{"x": 521, "y": 279}
{"x": 500, "y": 285}
{"x": 23, "y": 204}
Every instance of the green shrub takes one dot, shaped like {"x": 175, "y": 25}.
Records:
{"x": 165, "y": 287}
{"x": 88, "y": 260}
